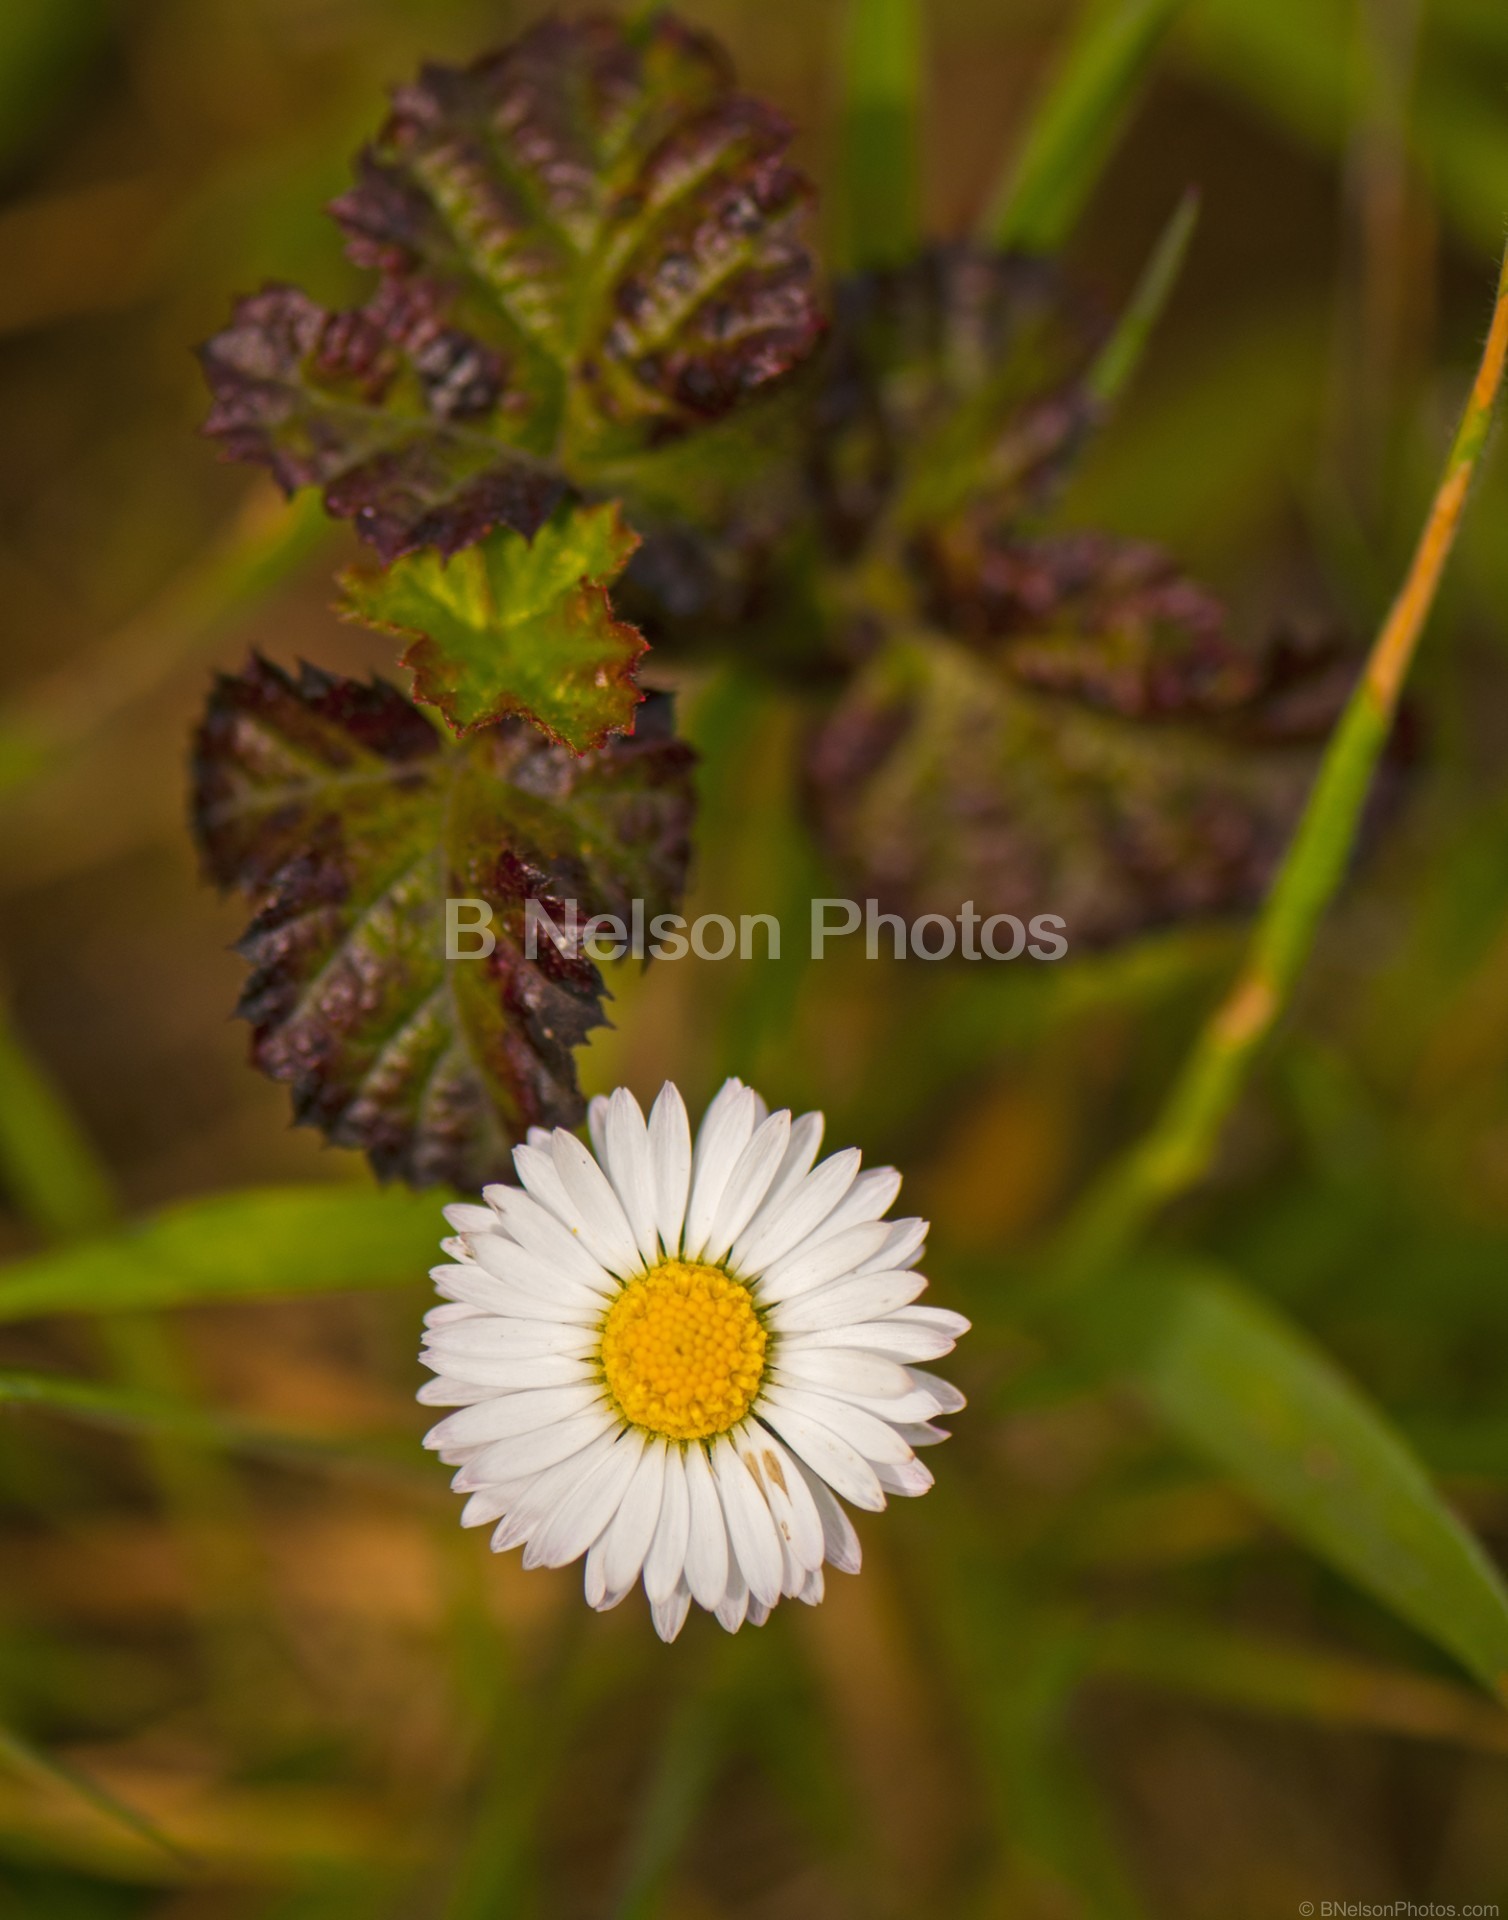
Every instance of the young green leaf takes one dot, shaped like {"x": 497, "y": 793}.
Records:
{"x": 1227, "y": 1373}
{"x": 512, "y": 626}
{"x": 588, "y": 243}
{"x": 336, "y": 807}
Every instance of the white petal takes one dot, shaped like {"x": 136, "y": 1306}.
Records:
{"x": 865, "y": 1298}
{"x": 666, "y": 1560}
{"x": 669, "y": 1615}
{"x": 452, "y": 1311}
{"x": 797, "y": 1521}
{"x": 580, "y": 1520}
{"x": 871, "y": 1195}
{"x": 632, "y": 1531}
{"x": 596, "y": 1126}
{"x": 945, "y": 1396}
{"x": 497, "y": 1417}
{"x": 921, "y": 1433}
{"x": 943, "y": 1318}
{"x": 626, "y": 1156}
{"x": 801, "y": 1151}
{"x": 524, "y": 1454}
{"x": 670, "y": 1150}
{"x": 840, "y": 1465}
{"x": 734, "y": 1605}
{"x": 539, "y": 1233}
{"x": 865, "y": 1432}
{"x": 721, "y": 1138}
{"x": 779, "y": 1230}
{"x": 445, "y": 1391}
{"x": 904, "y": 1248}
{"x": 758, "y": 1612}
{"x": 751, "y": 1526}
{"x": 816, "y": 1263}
{"x": 748, "y": 1183}
{"x": 485, "y": 1506}
{"x": 542, "y": 1299}
{"x": 600, "y": 1220}
{"x": 500, "y": 1371}
{"x": 839, "y": 1541}
{"x": 892, "y": 1337}
{"x": 541, "y": 1180}
{"x": 501, "y": 1338}
{"x": 707, "y": 1532}
{"x": 907, "y": 1477}
{"x": 528, "y": 1502}
{"x": 840, "y": 1370}
{"x": 811, "y": 1594}
{"x": 470, "y": 1219}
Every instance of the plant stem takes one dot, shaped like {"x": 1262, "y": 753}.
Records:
{"x": 1176, "y": 1152}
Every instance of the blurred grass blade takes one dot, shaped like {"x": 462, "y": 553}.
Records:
{"x": 1253, "y": 1393}
{"x": 879, "y": 181}
{"x": 1121, "y": 354}
{"x": 48, "y": 1169}
{"x": 22, "y": 1757}
{"x": 133, "y": 1410}
{"x": 266, "y": 1242}
{"x": 265, "y": 544}
{"x": 1178, "y": 1147}
{"x": 1078, "y": 123}
{"x": 682, "y": 1777}
{"x": 1266, "y": 1675}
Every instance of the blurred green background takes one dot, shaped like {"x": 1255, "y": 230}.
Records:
{"x": 1088, "y": 1675}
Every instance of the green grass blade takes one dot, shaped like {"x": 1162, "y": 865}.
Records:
{"x": 1121, "y": 354}
{"x": 22, "y": 1757}
{"x": 879, "y": 179}
{"x": 263, "y": 1243}
{"x": 1261, "y": 1674}
{"x": 47, "y": 1168}
{"x": 1078, "y": 123}
{"x": 1178, "y": 1148}
{"x": 1247, "y": 1389}
{"x": 130, "y": 1409}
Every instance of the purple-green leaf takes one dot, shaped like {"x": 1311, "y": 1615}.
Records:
{"x": 343, "y": 814}
{"x": 587, "y": 244}
{"x": 1096, "y": 747}
{"x": 511, "y": 626}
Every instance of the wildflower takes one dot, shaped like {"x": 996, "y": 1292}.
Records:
{"x": 671, "y": 1358}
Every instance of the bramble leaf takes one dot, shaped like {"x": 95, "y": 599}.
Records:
{"x": 1086, "y": 742}
{"x": 511, "y": 626}
{"x": 953, "y": 381}
{"x": 588, "y": 243}
{"x": 341, "y": 812}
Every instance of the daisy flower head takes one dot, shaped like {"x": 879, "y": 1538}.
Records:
{"x": 672, "y": 1357}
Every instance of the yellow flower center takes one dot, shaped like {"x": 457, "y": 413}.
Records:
{"x": 683, "y": 1351}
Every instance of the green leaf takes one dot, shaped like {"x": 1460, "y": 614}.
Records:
{"x": 263, "y": 1243}
{"x": 512, "y": 626}
{"x": 1253, "y": 1393}
{"x": 338, "y": 809}
{"x": 1078, "y": 123}
{"x": 883, "y": 63}
{"x": 589, "y": 244}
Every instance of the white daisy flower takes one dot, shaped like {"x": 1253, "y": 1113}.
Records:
{"x": 671, "y": 1358}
